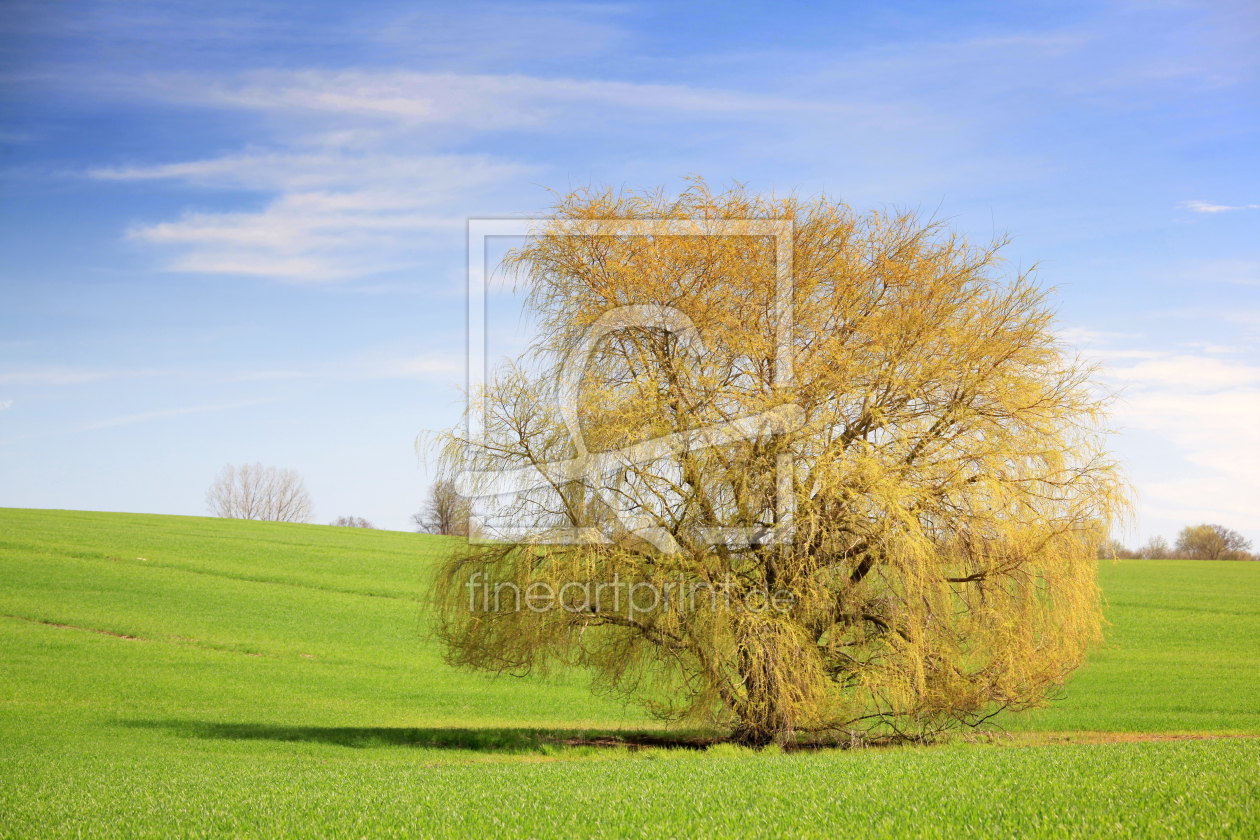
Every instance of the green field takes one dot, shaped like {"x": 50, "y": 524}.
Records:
{"x": 197, "y": 677}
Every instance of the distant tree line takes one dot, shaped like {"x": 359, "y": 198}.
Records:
{"x": 273, "y": 494}
{"x": 1195, "y": 542}
{"x": 253, "y": 491}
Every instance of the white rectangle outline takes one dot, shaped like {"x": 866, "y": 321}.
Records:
{"x": 478, "y": 278}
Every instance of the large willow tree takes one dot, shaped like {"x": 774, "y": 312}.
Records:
{"x": 885, "y": 526}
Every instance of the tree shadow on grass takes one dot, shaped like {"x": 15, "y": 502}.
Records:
{"x": 500, "y": 740}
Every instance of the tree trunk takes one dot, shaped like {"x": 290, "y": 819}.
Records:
{"x": 765, "y": 717}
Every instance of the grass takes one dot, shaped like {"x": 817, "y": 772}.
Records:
{"x": 242, "y": 621}
{"x": 1182, "y": 653}
{"x": 1178, "y": 789}
{"x": 179, "y": 676}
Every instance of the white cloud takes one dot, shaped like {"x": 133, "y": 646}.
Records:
{"x": 1208, "y": 346}
{"x": 377, "y": 364}
{"x": 335, "y": 128}
{"x": 1240, "y": 271}
{"x": 5, "y": 405}
{"x": 1203, "y": 412}
{"x": 1219, "y": 434}
{"x": 1206, "y": 207}
{"x": 1188, "y": 373}
{"x": 440, "y": 368}
{"x": 350, "y": 195}
{"x": 500, "y": 35}
{"x": 382, "y": 362}
{"x": 350, "y": 190}
{"x": 336, "y": 214}
{"x": 128, "y": 419}
{"x": 63, "y": 375}
{"x": 331, "y": 167}
{"x": 1086, "y": 337}
{"x": 481, "y": 102}
{"x": 1247, "y": 317}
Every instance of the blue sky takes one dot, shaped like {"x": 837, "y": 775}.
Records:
{"x": 235, "y": 232}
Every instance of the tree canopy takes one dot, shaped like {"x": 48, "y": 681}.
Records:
{"x": 1212, "y": 542}
{"x": 886, "y": 523}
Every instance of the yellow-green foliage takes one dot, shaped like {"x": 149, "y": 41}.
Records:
{"x": 948, "y": 474}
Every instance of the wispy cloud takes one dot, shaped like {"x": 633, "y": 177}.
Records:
{"x": 351, "y": 178}
{"x": 333, "y": 168}
{"x": 5, "y": 405}
{"x": 380, "y": 363}
{"x": 1207, "y": 207}
{"x": 351, "y": 196}
{"x": 64, "y": 375}
{"x": 395, "y": 361}
{"x": 498, "y": 35}
{"x": 1240, "y": 271}
{"x": 481, "y": 102}
{"x": 143, "y": 417}
{"x": 337, "y": 214}
{"x": 1188, "y": 373}
{"x": 429, "y": 367}
{"x": 433, "y": 367}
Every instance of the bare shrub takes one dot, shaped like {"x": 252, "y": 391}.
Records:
{"x": 352, "y": 522}
{"x": 1156, "y": 548}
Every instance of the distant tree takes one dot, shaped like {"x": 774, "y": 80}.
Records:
{"x": 445, "y": 512}
{"x": 352, "y": 522}
{"x": 257, "y": 492}
{"x": 1156, "y": 548}
{"x": 1212, "y": 542}
{"x": 1114, "y": 549}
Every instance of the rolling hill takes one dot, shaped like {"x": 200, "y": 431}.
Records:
{"x": 183, "y": 675}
